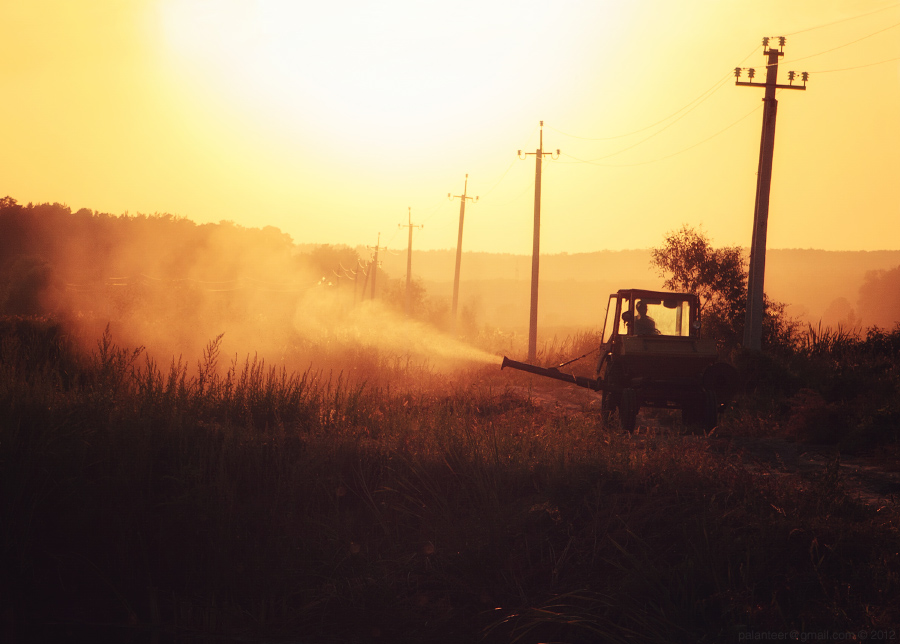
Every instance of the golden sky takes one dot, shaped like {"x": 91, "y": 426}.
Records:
{"x": 329, "y": 119}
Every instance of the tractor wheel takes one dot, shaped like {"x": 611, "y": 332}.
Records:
{"x": 700, "y": 412}
{"x": 608, "y": 404}
{"x": 710, "y": 411}
{"x": 628, "y": 409}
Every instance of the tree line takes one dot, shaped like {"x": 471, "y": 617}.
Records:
{"x": 54, "y": 261}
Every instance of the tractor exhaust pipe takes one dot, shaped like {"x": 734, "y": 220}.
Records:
{"x": 556, "y": 374}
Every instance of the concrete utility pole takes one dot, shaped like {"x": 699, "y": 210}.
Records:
{"x": 409, "y": 225}
{"x": 756, "y": 276}
{"x": 375, "y": 264}
{"x": 536, "y": 249}
{"x": 462, "y": 215}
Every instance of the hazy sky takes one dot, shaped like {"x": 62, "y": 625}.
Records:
{"x": 329, "y": 119}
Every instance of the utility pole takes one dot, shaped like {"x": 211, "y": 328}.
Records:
{"x": 756, "y": 276}
{"x": 375, "y": 264}
{"x": 409, "y": 225}
{"x": 356, "y": 283}
{"x": 536, "y": 249}
{"x": 462, "y": 215}
{"x": 365, "y": 271}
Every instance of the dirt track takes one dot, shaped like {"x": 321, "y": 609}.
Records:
{"x": 872, "y": 478}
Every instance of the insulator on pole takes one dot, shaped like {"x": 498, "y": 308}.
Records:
{"x": 751, "y": 73}
{"x": 765, "y": 42}
{"x": 804, "y": 76}
{"x": 781, "y": 41}
{"x": 737, "y": 72}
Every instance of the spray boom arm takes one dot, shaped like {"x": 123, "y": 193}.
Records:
{"x": 556, "y": 374}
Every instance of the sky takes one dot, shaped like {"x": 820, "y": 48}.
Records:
{"x": 339, "y": 122}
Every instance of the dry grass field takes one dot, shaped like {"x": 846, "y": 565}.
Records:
{"x": 388, "y": 500}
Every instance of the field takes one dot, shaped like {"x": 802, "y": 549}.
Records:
{"x": 388, "y": 500}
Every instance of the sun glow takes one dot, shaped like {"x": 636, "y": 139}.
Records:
{"x": 398, "y": 74}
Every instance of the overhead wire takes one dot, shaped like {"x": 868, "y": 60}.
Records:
{"x": 434, "y": 210}
{"x": 852, "y": 42}
{"x": 705, "y": 95}
{"x": 847, "y": 69}
{"x": 679, "y": 114}
{"x": 505, "y": 172}
{"x": 664, "y": 128}
{"x": 699, "y": 99}
{"x": 518, "y": 196}
{"x": 828, "y": 24}
{"x": 668, "y": 156}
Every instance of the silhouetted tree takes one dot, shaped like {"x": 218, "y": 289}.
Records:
{"x": 688, "y": 262}
{"x": 879, "y": 298}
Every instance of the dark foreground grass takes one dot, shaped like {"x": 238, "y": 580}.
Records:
{"x": 251, "y": 504}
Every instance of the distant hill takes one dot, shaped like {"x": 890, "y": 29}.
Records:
{"x": 816, "y": 284}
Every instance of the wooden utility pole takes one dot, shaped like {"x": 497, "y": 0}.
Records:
{"x": 462, "y": 215}
{"x": 756, "y": 275}
{"x": 536, "y": 247}
{"x": 409, "y": 225}
{"x": 375, "y": 265}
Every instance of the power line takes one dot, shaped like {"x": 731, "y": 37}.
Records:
{"x": 502, "y": 176}
{"x": 701, "y": 97}
{"x": 669, "y": 156}
{"x": 852, "y": 42}
{"x": 518, "y": 196}
{"x": 659, "y": 131}
{"x": 505, "y": 172}
{"x": 435, "y": 210}
{"x": 847, "y": 69}
{"x": 828, "y": 24}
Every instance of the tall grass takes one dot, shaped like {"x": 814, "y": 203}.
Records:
{"x": 837, "y": 386}
{"x": 244, "y": 501}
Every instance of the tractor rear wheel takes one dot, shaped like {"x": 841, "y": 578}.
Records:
{"x": 701, "y": 412}
{"x": 710, "y": 411}
{"x": 628, "y": 410}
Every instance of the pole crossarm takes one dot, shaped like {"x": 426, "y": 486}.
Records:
{"x": 464, "y": 196}
{"x": 764, "y": 85}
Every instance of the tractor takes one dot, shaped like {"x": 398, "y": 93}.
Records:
{"x": 652, "y": 355}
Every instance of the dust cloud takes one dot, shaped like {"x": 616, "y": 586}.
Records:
{"x": 325, "y": 316}
{"x": 177, "y": 288}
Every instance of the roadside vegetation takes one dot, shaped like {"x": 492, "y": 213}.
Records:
{"x": 355, "y": 490}
{"x": 241, "y": 501}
